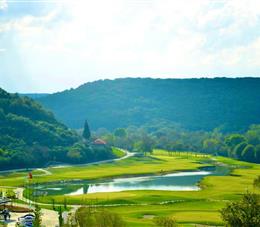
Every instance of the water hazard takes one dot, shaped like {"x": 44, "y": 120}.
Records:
{"x": 180, "y": 181}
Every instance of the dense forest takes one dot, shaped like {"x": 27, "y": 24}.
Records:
{"x": 166, "y": 135}
{"x": 31, "y": 136}
{"x": 194, "y": 104}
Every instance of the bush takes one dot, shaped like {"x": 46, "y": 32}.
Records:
{"x": 257, "y": 182}
{"x": 88, "y": 217}
{"x": 244, "y": 213}
{"x": 165, "y": 222}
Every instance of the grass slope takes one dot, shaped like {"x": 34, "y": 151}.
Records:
{"x": 201, "y": 207}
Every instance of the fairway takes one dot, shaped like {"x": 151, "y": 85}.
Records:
{"x": 135, "y": 206}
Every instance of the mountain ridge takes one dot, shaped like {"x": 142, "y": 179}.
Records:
{"x": 230, "y": 103}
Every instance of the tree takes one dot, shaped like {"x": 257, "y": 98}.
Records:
{"x": 248, "y": 154}
{"x": 60, "y": 217}
{"x": 37, "y": 213}
{"x": 145, "y": 145}
{"x": 244, "y": 213}
{"x": 237, "y": 152}
{"x": 253, "y": 134}
{"x": 86, "y": 132}
{"x": 120, "y": 132}
{"x": 257, "y": 153}
{"x": 65, "y": 203}
{"x": 53, "y": 203}
{"x": 211, "y": 145}
{"x": 234, "y": 139}
{"x": 88, "y": 217}
{"x": 105, "y": 218}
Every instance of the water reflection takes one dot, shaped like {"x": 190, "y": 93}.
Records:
{"x": 181, "y": 181}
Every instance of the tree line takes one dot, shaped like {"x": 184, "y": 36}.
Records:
{"x": 195, "y": 104}
{"x": 169, "y": 136}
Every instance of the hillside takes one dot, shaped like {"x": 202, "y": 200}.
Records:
{"x": 195, "y": 104}
{"x": 33, "y": 95}
{"x": 31, "y": 136}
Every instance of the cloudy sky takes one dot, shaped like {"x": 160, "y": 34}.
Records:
{"x": 48, "y": 46}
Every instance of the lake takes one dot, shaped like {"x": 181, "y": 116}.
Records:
{"x": 179, "y": 181}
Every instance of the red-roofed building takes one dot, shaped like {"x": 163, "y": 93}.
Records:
{"x": 99, "y": 142}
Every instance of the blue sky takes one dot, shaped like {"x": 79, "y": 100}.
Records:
{"x": 48, "y": 46}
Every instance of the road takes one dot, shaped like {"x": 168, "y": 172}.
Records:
{"x": 127, "y": 155}
{"x": 46, "y": 172}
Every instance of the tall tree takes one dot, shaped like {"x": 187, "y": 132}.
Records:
{"x": 60, "y": 217}
{"x": 86, "y": 132}
{"x": 37, "y": 213}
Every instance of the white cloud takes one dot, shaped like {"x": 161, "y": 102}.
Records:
{"x": 3, "y": 4}
{"x": 87, "y": 40}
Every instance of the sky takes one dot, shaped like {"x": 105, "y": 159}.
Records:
{"x": 49, "y": 46}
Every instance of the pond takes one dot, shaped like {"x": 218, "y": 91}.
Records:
{"x": 179, "y": 181}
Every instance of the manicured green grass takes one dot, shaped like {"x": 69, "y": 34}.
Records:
{"x": 154, "y": 164}
{"x": 186, "y": 212}
{"x": 201, "y": 207}
{"x": 118, "y": 152}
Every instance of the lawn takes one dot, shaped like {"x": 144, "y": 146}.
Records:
{"x": 154, "y": 164}
{"x": 201, "y": 207}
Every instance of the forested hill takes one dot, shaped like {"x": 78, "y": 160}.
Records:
{"x": 31, "y": 136}
{"x": 34, "y": 95}
{"x": 195, "y": 104}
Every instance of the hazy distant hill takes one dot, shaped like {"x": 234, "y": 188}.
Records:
{"x": 196, "y": 104}
{"x": 34, "y": 95}
{"x": 31, "y": 136}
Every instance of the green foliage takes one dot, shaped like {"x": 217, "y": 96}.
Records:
{"x": 257, "y": 153}
{"x": 65, "y": 203}
{"x": 120, "y": 132}
{"x": 165, "y": 222}
{"x": 211, "y": 145}
{"x": 145, "y": 145}
{"x": 253, "y": 134}
{"x": 257, "y": 182}
{"x": 37, "y": 213}
{"x": 238, "y": 149}
{"x": 86, "y": 131}
{"x": 244, "y": 213}
{"x": 195, "y": 104}
{"x": 10, "y": 194}
{"x": 89, "y": 217}
{"x": 60, "y": 217}
{"x": 171, "y": 137}
{"x": 234, "y": 139}
{"x": 248, "y": 154}
{"x": 30, "y": 136}
{"x": 53, "y": 203}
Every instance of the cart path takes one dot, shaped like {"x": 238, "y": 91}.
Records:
{"x": 47, "y": 172}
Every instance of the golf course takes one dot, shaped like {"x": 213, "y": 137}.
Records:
{"x": 139, "y": 207}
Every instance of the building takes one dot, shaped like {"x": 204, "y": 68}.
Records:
{"x": 99, "y": 142}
